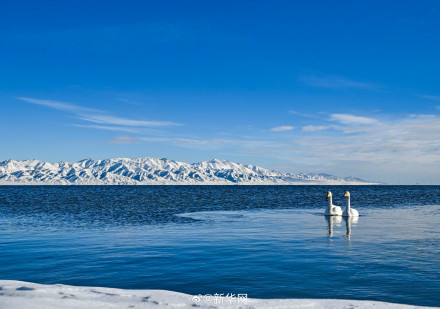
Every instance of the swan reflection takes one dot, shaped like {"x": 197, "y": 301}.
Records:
{"x": 332, "y": 220}
{"x": 348, "y": 222}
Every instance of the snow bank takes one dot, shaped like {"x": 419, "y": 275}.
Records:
{"x": 25, "y": 295}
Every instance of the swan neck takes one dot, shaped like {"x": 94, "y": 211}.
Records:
{"x": 330, "y": 203}
{"x": 348, "y": 202}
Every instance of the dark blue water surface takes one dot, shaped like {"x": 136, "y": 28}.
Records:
{"x": 266, "y": 241}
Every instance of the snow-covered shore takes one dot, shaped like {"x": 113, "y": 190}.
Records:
{"x": 25, "y": 295}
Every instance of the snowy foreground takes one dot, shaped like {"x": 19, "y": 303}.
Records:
{"x": 152, "y": 171}
{"x": 24, "y": 295}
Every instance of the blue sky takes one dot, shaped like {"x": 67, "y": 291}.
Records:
{"x": 343, "y": 87}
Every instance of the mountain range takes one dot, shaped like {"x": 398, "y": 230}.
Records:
{"x": 153, "y": 171}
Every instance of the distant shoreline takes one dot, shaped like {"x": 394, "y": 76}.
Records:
{"x": 190, "y": 184}
{"x": 155, "y": 171}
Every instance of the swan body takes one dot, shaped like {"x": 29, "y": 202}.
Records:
{"x": 332, "y": 210}
{"x": 349, "y": 212}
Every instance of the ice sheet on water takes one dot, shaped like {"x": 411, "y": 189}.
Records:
{"x": 217, "y": 216}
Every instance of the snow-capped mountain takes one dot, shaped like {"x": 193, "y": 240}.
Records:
{"x": 151, "y": 171}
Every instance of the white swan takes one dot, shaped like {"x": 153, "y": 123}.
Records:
{"x": 332, "y": 210}
{"x": 349, "y": 212}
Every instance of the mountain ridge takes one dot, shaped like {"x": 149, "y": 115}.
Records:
{"x": 154, "y": 171}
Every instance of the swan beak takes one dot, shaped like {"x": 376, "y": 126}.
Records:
{"x": 345, "y": 195}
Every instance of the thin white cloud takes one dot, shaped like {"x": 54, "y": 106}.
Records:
{"x": 189, "y": 141}
{"x": 103, "y": 119}
{"x": 314, "y": 128}
{"x": 62, "y": 106}
{"x": 196, "y": 143}
{"x": 293, "y": 112}
{"x": 113, "y": 123}
{"x": 430, "y": 97}
{"x": 349, "y": 119}
{"x": 336, "y": 82}
{"x": 108, "y": 128}
{"x": 282, "y": 128}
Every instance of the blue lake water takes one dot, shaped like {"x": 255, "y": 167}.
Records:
{"x": 265, "y": 241}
